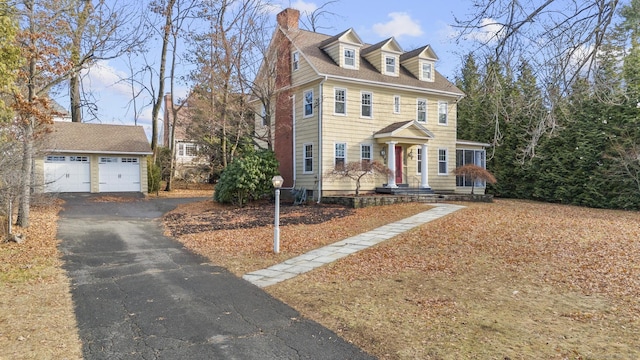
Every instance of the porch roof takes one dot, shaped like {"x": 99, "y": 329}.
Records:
{"x": 409, "y": 132}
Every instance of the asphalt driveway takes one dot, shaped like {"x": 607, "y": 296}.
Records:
{"x": 140, "y": 295}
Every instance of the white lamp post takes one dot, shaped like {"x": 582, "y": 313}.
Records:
{"x": 277, "y": 183}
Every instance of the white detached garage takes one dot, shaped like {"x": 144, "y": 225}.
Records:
{"x": 82, "y": 157}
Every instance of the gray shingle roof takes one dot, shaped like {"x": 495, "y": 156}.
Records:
{"x": 97, "y": 138}
{"x": 309, "y": 44}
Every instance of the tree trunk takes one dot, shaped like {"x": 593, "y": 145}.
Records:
{"x": 25, "y": 185}
{"x": 74, "y": 96}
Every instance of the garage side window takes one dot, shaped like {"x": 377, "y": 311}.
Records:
{"x": 53, "y": 158}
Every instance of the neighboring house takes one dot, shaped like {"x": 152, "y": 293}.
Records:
{"x": 340, "y": 100}
{"x": 93, "y": 158}
{"x": 59, "y": 112}
{"x": 188, "y": 163}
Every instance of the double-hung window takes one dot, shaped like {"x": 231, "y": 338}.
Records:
{"x": 367, "y": 104}
{"x": 443, "y": 112}
{"x": 396, "y": 104}
{"x": 308, "y": 158}
{"x": 263, "y": 116}
{"x": 365, "y": 154}
{"x": 308, "y": 103}
{"x": 427, "y": 71}
{"x": 295, "y": 60}
{"x": 340, "y": 157}
{"x": 350, "y": 57}
{"x": 390, "y": 65}
{"x": 422, "y": 110}
{"x": 340, "y": 101}
{"x": 442, "y": 162}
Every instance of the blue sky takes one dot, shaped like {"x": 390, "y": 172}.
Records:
{"x": 412, "y": 23}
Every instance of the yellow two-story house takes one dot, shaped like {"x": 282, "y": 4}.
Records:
{"x": 338, "y": 100}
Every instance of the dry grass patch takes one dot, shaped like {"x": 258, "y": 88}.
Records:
{"x": 241, "y": 239}
{"x": 509, "y": 280}
{"x": 36, "y": 311}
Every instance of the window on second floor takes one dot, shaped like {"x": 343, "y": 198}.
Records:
{"x": 263, "y": 116}
{"x": 367, "y": 104}
{"x": 340, "y": 156}
{"x": 295, "y": 60}
{"x": 390, "y": 65}
{"x": 443, "y": 109}
{"x": 396, "y": 104}
{"x": 340, "y": 101}
{"x": 308, "y": 158}
{"x": 422, "y": 110}
{"x": 308, "y": 103}
{"x": 349, "y": 57}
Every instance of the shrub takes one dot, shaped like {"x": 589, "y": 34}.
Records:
{"x": 247, "y": 178}
{"x": 153, "y": 176}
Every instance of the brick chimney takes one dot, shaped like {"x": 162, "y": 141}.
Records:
{"x": 288, "y": 19}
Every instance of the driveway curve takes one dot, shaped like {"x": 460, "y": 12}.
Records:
{"x": 140, "y": 295}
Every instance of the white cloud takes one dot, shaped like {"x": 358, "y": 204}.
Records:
{"x": 304, "y": 7}
{"x": 489, "y": 31}
{"x": 104, "y": 76}
{"x": 401, "y": 24}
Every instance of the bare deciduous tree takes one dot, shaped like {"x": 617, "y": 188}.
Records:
{"x": 357, "y": 170}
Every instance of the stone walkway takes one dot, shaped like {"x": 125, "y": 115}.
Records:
{"x": 327, "y": 254}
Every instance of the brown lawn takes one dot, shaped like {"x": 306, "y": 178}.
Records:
{"x": 507, "y": 280}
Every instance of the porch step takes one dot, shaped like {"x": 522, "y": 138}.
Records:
{"x": 404, "y": 190}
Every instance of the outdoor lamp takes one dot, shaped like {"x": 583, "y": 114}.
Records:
{"x": 277, "y": 183}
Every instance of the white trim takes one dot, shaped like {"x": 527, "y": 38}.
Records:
{"x": 446, "y": 108}
{"x": 304, "y": 158}
{"x": 344, "y": 57}
{"x": 335, "y": 102}
{"x": 295, "y": 63}
{"x": 370, "y": 105}
{"x": 399, "y": 104}
{"x": 446, "y": 161}
{"x": 304, "y": 103}
{"x": 426, "y": 110}
{"x": 335, "y": 155}
{"x": 370, "y": 158}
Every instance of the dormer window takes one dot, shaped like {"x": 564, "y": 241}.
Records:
{"x": 349, "y": 58}
{"x": 427, "y": 71}
{"x": 390, "y": 65}
{"x": 295, "y": 61}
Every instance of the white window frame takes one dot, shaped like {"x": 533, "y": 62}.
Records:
{"x": 78, "y": 158}
{"x": 187, "y": 149}
{"x": 443, "y": 158}
{"x": 295, "y": 61}
{"x": 106, "y": 160}
{"x": 421, "y": 109}
{"x": 443, "y": 105}
{"x": 478, "y": 157}
{"x": 130, "y": 160}
{"x": 419, "y": 160}
{"x": 307, "y": 101}
{"x": 427, "y": 76}
{"x": 370, "y": 104}
{"x": 307, "y": 158}
{"x": 345, "y": 52}
{"x": 263, "y": 115}
{"x": 363, "y": 152}
{"x": 394, "y": 64}
{"x": 55, "y": 158}
{"x": 396, "y": 104}
{"x": 336, "y": 101}
{"x": 337, "y": 152}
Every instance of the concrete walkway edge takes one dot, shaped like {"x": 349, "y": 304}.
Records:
{"x": 327, "y": 254}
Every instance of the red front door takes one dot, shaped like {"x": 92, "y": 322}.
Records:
{"x": 399, "y": 164}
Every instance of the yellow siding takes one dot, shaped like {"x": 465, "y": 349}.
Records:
{"x": 354, "y": 130}
{"x": 413, "y": 66}
{"x": 376, "y": 59}
{"x": 144, "y": 188}
{"x": 304, "y": 74}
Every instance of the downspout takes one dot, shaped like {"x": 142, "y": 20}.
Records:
{"x": 320, "y": 139}
{"x": 293, "y": 116}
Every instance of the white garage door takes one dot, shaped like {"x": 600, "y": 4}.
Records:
{"x": 119, "y": 174}
{"x": 67, "y": 174}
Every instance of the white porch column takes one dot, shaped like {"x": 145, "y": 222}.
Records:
{"x": 424, "y": 181}
{"x": 391, "y": 162}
